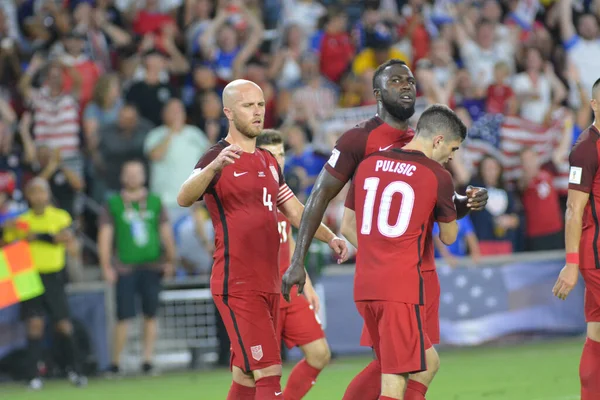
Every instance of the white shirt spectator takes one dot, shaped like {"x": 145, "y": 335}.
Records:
{"x": 480, "y": 62}
{"x": 305, "y": 14}
{"x": 533, "y": 110}
{"x": 585, "y": 55}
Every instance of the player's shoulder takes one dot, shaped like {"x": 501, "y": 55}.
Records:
{"x": 210, "y": 154}
{"x": 361, "y": 130}
{"x": 588, "y": 137}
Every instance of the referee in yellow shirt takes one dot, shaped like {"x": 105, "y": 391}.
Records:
{"x": 48, "y": 233}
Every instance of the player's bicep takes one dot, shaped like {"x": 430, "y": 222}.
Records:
{"x": 576, "y": 202}
{"x": 445, "y": 209}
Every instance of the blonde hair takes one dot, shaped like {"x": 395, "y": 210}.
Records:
{"x": 102, "y": 88}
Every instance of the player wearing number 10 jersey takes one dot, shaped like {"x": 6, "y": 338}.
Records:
{"x": 396, "y": 193}
{"x": 243, "y": 187}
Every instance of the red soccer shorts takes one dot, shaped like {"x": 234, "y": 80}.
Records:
{"x": 431, "y": 316}
{"x": 397, "y": 333}
{"x": 298, "y": 323}
{"x": 251, "y": 319}
{"x": 592, "y": 294}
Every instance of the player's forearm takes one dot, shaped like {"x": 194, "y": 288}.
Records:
{"x": 195, "y": 186}
{"x": 324, "y": 234}
{"x": 573, "y": 225}
{"x": 310, "y": 222}
{"x": 460, "y": 202}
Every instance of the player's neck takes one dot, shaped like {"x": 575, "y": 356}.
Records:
{"x": 247, "y": 144}
{"x": 417, "y": 145}
{"x": 391, "y": 120}
{"x": 39, "y": 210}
{"x": 597, "y": 123}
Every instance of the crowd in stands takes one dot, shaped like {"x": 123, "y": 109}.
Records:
{"x": 88, "y": 85}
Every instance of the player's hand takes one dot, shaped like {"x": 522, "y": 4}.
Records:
{"x": 340, "y": 248}
{"x": 109, "y": 275}
{"x": 312, "y": 297}
{"x": 567, "y": 279}
{"x": 295, "y": 275}
{"x": 226, "y": 157}
{"x": 477, "y": 198}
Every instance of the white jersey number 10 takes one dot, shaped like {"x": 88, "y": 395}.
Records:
{"x": 383, "y": 226}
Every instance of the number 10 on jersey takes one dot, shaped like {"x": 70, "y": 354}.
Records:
{"x": 406, "y": 207}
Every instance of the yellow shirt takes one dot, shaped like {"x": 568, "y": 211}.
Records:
{"x": 47, "y": 257}
{"x": 365, "y": 60}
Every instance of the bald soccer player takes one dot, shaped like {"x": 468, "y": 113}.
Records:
{"x": 243, "y": 187}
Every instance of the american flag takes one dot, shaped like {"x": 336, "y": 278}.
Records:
{"x": 505, "y": 137}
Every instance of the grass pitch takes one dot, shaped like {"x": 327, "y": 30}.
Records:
{"x": 535, "y": 371}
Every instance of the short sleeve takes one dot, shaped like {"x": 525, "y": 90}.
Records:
{"x": 206, "y": 159}
{"x": 350, "y": 202}
{"x": 445, "y": 210}
{"x": 155, "y": 136}
{"x": 347, "y": 154}
{"x": 105, "y": 217}
{"x": 583, "y": 162}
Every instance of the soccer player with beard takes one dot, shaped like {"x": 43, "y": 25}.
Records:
{"x": 394, "y": 87}
{"x": 243, "y": 187}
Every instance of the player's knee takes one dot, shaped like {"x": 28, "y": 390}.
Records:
{"x": 64, "y": 327}
{"x": 433, "y": 362}
{"x": 273, "y": 370}
{"x": 35, "y": 328}
{"x": 319, "y": 355}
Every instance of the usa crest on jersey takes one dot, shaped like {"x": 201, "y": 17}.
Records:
{"x": 257, "y": 352}
{"x": 274, "y": 172}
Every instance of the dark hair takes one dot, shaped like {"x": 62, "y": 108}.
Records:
{"x": 269, "y": 137}
{"x": 381, "y": 68}
{"x": 440, "y": 118}
{"x": 595, "y": 86}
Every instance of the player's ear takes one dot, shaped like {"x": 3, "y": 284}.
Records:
{"x": 377, "y": 93}
{"x": 228, "y": 113}
{"x": 437, "y": 140}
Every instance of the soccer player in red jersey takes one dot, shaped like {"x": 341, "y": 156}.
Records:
{"x": 298, "y": 321}
{"x": 394, "y": 89}
{"x": 398, "y": 192}
{"x": 243, "y": 187}
{"x": 581, "y": 242}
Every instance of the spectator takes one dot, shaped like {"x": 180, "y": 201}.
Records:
{"x": 582, "y": 45}
{"x": 444, "y": 67}
{"x": 103, "y": 110}
{"x": 195, "y": 16}
{"x": 500, "y": 96}
{"x": 285, "y": 65}
{"x": 119, "y": 143}
{"x": 151, "y": 94}
{"x": 209, "y": 117}
{"x": 173, "y": 149}
{"x": 496, "y": 225}
{"x": 336, "y": 49}
{"x": 56, "y": 113}
{"x": 466, "y": 243}
{"x": 134, "y": 228}
{"x": 64, "y": 183}
{"x": 304, "y": 13}
{"x": 220, "y": 47}
{"x": 302, "y": 160}
{"x": 378, "y": 49}
{"x": 538, "y": 88}
{"x": 543, "y": 216}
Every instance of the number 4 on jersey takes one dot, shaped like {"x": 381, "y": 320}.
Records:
{"x": 383, "y": 226}
{"x": 267, "y": 199}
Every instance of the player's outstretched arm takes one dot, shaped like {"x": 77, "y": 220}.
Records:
{"x": 348, "y": 227}
{"x": 576, "y": 202}
{"x": 325, "y": 189}
{"x": 293, "y": 210}
{"x": 195, "y": 186}
{"x": 448, "y": 232}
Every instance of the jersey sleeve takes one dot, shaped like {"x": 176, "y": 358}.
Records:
{"x": 285, "y": 193}
{"x": 347, "y": 154}
{"x": 445, "y": 210}
{"x": 206, "y": 159}
{"x": 583, "y": 162}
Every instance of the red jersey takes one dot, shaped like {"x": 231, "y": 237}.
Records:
{"x": 242, "y": 201}
{"x": 397, "y": 193}
{"x": 584, "y": 176}
{"x": 497, "y": 98}
{"x": 285, "y": 230}
{"x": 542, "y": 208}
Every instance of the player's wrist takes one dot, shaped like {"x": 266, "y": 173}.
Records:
{"x": 572, "y": 258}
